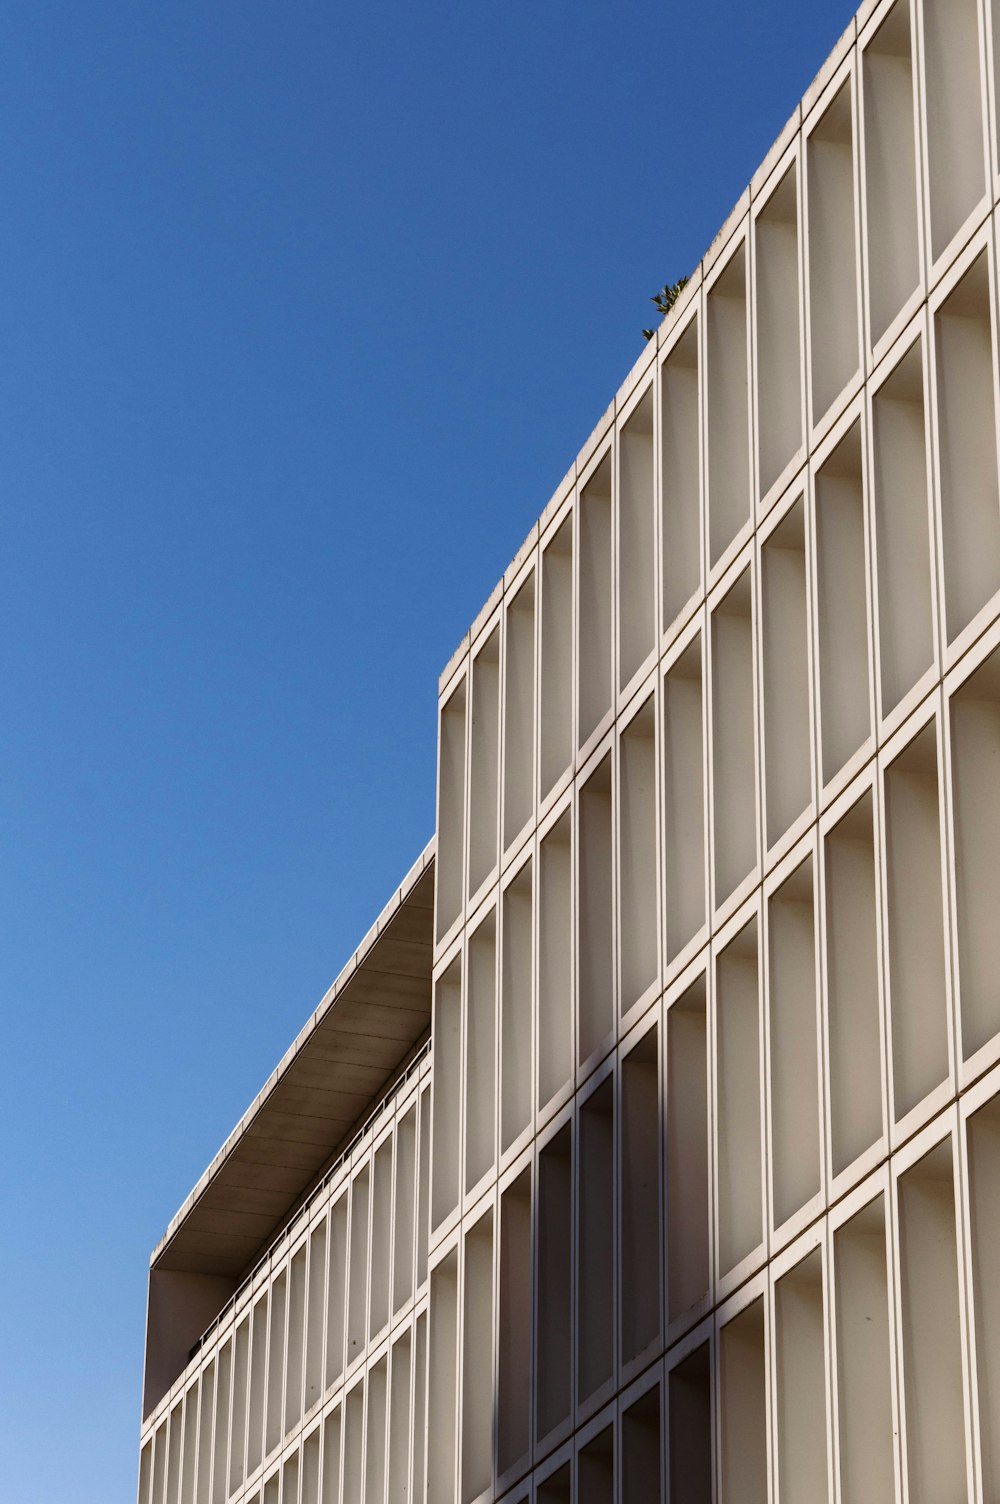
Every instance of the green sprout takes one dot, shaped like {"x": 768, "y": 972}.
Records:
{"x": 665, "y": 300}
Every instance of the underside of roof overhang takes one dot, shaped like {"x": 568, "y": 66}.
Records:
{"x": 368, "y": 1023}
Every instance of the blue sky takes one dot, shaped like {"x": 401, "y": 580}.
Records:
{"x": 305, "y": 310}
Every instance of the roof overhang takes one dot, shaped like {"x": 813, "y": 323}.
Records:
{"x": 371, "y": 1019}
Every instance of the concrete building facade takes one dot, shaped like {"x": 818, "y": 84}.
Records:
{"x": 649, "y": 1146}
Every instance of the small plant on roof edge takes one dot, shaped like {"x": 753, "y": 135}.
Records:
{"x": 665, "y": 300}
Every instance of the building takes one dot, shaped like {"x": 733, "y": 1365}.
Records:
{"x": 649, "y": 1147}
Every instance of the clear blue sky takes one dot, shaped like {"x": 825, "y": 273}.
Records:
{"x": 305, "y": 309}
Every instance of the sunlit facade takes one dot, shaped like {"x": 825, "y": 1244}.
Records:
{"x": 649, "y": 1147}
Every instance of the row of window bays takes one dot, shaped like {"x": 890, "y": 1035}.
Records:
{"x": 368, "y": 1442}
{"x": 655, "y": 523}
{"x": 345, "y": 1276}
{"x": 856, "y": 1365}
{"x": 544, "y": 1354}
{"x": 872, "y": 573}
{"x": 868, "y": 953}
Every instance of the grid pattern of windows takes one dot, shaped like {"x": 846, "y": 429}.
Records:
{"x": 698, "y": 1196}
{"x": 716, "y": 1016}
{"x": 310, "y": 1385}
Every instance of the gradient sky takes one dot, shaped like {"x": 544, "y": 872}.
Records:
{"x": 305, "y": 309}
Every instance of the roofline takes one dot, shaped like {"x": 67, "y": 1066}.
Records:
{"x": 328, "y": 1001}
{"x": 668, "y": 323}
